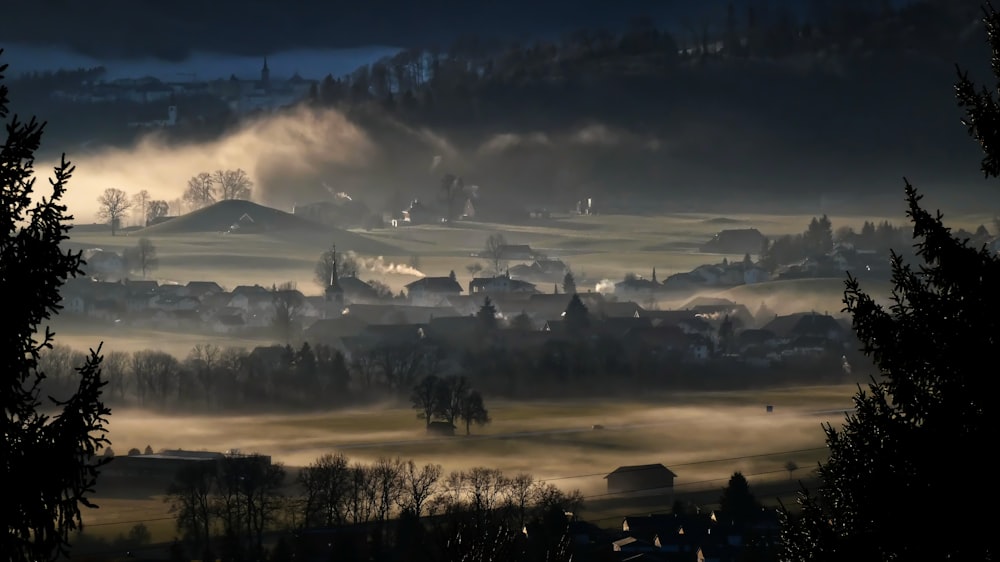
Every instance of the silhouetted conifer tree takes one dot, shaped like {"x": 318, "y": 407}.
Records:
{"x": 893, "y": 487}
{"x": 50, "y": 462}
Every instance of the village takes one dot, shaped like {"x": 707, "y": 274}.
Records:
{"x": 352, "y": 312}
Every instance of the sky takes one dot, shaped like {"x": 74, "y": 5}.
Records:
{"x": 315, "y": 63}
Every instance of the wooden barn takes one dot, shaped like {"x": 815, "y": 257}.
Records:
{"x": 643, "y": 478}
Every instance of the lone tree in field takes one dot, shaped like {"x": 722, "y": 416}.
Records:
{"x": 114, "y": 204}
{"x": 50, "y": 463}
{"x": 494, "y": 250}
{"x": 142, "y": 257}
{"x": 892, "y": 488}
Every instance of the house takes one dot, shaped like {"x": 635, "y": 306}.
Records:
{"x": 432, "y": 291}
{"x": 245, "y": 225}
{"x": 227, "y": 323}
{"x": 550, "y": 270}
{"x": 456, "y": 330}
{"x": 417, "y": 213}
{"x": 397, "y": 314}
{"x": 200, "y": 289}
{"x": 792, "y": 326}
{"x": 330, "y": 330}
{"x": 636, "y": 287}
{"x": 516, "y": 252}
{"x": 74, "y": 304}
{"x": 735, "y": 241}
{"x": 441, "y": 428}
{"x": 356, "y": 290}
{"x": 500, "y": 284}
{"x": 644, "y": 478}
{"x": 141, "y": 287}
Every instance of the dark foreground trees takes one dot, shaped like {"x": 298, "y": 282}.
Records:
{"x": 50, "y": 461}
{"x": 908, "y": 471}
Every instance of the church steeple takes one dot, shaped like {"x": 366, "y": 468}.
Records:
{"x": 334, "y": 292}
{"x": 265, "y": 74}
{"x": 333, "y": 271}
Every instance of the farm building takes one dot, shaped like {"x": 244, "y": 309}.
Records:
{"x": 735, "y": 241}
{"x": 640, "y": 478}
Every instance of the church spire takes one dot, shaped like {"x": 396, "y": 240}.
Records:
{"x": 265, "y": 74}
{"x": 333, "y": 272}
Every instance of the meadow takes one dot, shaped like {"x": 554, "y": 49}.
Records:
{"x": 703, "y": 437}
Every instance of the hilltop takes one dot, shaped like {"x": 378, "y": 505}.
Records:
{"x": 239, "y": 218}
{"x": 222, "y": 216}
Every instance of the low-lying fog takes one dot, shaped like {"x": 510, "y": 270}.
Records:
{"x": 700, "y": 442}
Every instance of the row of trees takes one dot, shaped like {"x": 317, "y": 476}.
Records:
{"x": 114, "y": 205}
{"x": 393, "y": 503}
{"x": 221, "y": 185}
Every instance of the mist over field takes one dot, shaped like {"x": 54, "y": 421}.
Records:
{"x": 558, "y": 444}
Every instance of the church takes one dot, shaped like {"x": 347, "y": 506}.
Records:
{"x": 264, "y": 94}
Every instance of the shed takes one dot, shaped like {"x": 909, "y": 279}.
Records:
{"x": 640, "y": 478}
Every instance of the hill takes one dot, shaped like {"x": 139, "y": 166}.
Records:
{"x": 225, "y": 215}
{"x": 240, "y": 218}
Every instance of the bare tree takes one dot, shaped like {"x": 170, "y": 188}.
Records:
{"x": 494, "y": 252}
{"x": 486, "y": 487}
{"x": 200, "y": 191}
{"x": 347, "y": 266}
{"x": 425, "y": 398}
{"x": 791, "y": 467}
{"x": 154, "y": 373}
{"x": 387, "y": 476}
{"x": 360, "y": 500}
{"x": 155, "y": 209}
{"x": 325, "y": 483}
{"x": 399, "y": 363}
{"x": 232, "y": 184}
{"x": 204, "y": 361}
{"x": 519, "y": 495}
{"x": 140, "y": 201}
{"x": 142, "y": 257}
{"x": 115, "y": 370}
{"x": 418, "y": 485}
{"x": 190, "y": 498}
{"x": 471, "y": 410}
{"x": 114, "y": 203}
{"x": 288, "y": 303}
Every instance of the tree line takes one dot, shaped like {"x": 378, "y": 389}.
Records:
{"x": 392, "y": 506}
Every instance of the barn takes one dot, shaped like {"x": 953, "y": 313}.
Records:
{"x": 640, "y": 478}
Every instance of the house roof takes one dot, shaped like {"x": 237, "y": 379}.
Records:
{"x": 398, "y": 314}
{"x": 514, "y": 284}
{"x": 329, "y": 329}
{"x": 621, "y": 309}
{"x": 435, "y": 285}
{"x": 804, "y": 323}
{"x": 657, "y": 467}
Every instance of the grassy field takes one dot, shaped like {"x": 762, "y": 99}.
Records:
{"x": 703, "y": 437}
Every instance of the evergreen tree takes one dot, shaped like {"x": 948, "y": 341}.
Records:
{"x": 737, "y": 503}
{"x": 576, "y": 316}
{"x": 891, "y": 489}
{"x": 50, "y": 462}
{"x": 569, "y": 283}
{"x": 487, "y": 315}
